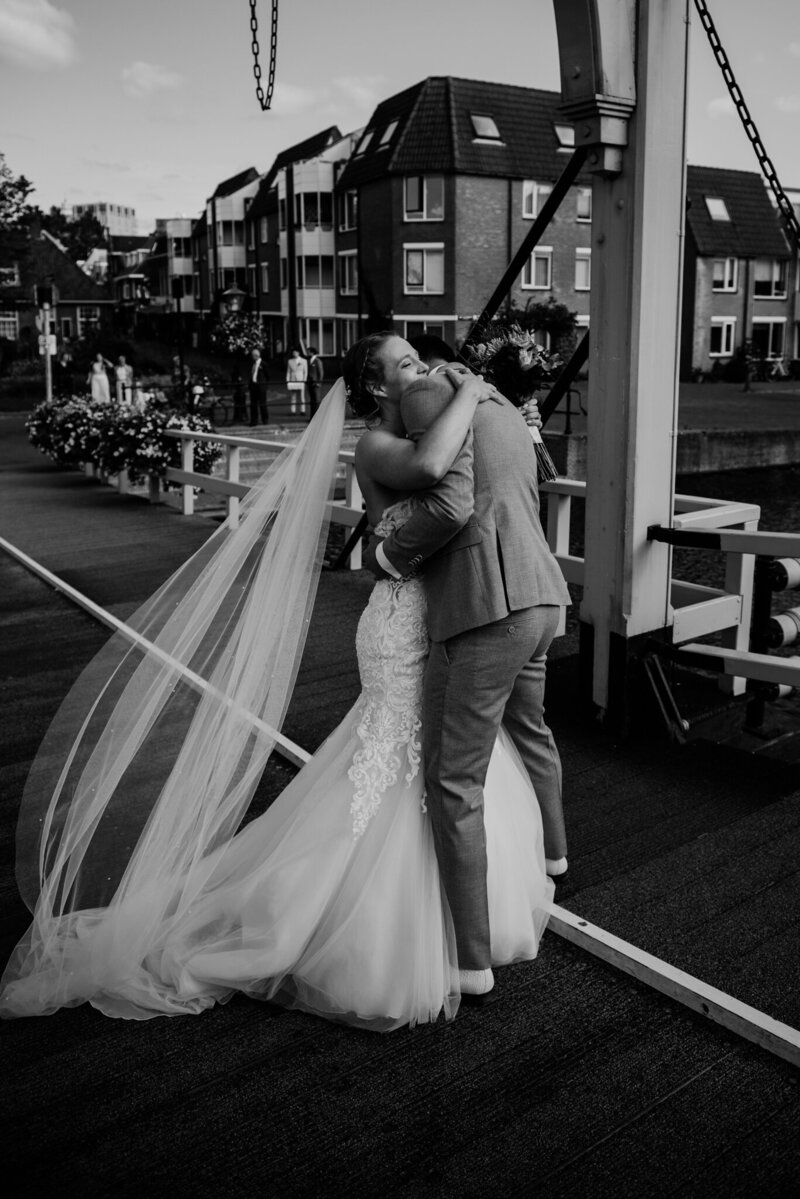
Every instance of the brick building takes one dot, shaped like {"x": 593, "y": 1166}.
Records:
{"x": 436, "y": 198}
{"x": 740, "y": 280}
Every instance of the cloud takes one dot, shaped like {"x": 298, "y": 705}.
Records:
{"x": 34, "y": 33}
{"x": 788, "y": 103}
{"x": 363, "y": 90}
{"x": 288, "y": 99}
{"x": 794, "y": 49}
{"x": 721, "y": 106}
{"x": 144, "y": 78}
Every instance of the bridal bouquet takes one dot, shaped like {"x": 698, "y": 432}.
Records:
{"x": 518, "y": 367}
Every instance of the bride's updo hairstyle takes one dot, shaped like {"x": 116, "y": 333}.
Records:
{"x": 362, "y": 371}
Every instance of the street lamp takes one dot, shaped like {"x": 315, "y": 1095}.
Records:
{"x": 177, "y": 295}
{"x": 233, "y": 298}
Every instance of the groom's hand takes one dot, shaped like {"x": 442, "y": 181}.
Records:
{"x": 461, "y": 376}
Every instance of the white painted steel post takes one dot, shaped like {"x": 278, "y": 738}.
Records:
{"x": 637, "y": 249}
{"x": 232, "y": 461}
{"x": 187, "y": 464}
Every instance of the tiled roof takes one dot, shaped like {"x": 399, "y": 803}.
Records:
{"x": 230, "y": 186}
{"x": 753, "y": 229}
{"x": 435, "y": 132}
{"x": 302, "y": 152}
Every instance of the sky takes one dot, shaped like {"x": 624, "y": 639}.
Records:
{"x": 152, "y": 103}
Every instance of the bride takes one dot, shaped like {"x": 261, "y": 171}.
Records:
{"x": 149, "y": 894}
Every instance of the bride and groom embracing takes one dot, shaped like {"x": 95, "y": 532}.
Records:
{"x": 408, "y": 856}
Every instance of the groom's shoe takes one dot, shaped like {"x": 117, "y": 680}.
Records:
{"x": 476, "y": 986}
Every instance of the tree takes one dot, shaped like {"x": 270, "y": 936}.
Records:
{"x": 78, "y": 236}
{"x": 238, "y": 334}
{"x": 551, "y": 317}
{"x": 14, "y": 192}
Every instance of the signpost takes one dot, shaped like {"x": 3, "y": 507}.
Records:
{"x": 46, "y": 298}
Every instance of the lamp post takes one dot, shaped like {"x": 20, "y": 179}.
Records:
{"x": 233, "y": 298}
{"x": 177, "y": 295}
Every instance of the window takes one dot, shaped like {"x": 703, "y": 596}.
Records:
{"x": 348, "y": 333}
{"x": 716, "y": 208}
{"x": 538, "y": 270}
{"x": 181, "y": 247}
{"x": 314, "y": 270}
{"x": 319, "y": 333}
{"x": 88, "y": 319}
{"x": 251, "y": 235}
{"x": 534, "y": 196}
{"x": 768, "y": 337}
{"x": 424, "y": 269}
{"x": 725, "y": 274}
{"x": 484, "y": 128}
{"x": 584, "y": 204}
{"x": 565, "y": 135}
{"x": 284, "y": 274}
{"x": 66, "y": 327}
{"x": 363, "y": 145}
{"x": 264, "y": 277}
{"x": 423, "y": 198}
{"x": 415, "y": 328}
{"x": 9, "y": 275}
{"x": 348, "y": 209}
{"x": 583, "y": 270}
{"x": 388, "y": 133}
{"x": 252, "y": 280}
{"x": 262, "y": 229}
{"x": 348, "y": 274}
{"x": 282, "y": 213}
{"x": 769, "y": 278}
{"x": 721, "y": 341}
{"x": 9, "y": 326}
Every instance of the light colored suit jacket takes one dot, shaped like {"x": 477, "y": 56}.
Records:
{"x": 477, "y": 532}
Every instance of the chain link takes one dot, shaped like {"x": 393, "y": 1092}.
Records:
{"x": 765, "y": 162}
{"x": 264, "y": 100}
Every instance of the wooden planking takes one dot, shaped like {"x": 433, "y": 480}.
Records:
{"x": 692, "y": 992}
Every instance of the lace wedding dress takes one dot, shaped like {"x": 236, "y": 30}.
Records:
{"x": 330, "y": 901}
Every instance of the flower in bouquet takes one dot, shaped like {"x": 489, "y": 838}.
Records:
{"x": 518, "y": 367}
{"x": 511, "y": 360}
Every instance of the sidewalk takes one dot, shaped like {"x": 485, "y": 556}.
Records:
{"x": 576, "y": 1081}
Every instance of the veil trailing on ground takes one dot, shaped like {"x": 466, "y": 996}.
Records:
{"x": 154, "y": 755}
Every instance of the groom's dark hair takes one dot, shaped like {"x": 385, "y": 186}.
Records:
{"x": 429, "y": 345}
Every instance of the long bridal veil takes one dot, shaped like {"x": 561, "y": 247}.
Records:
{"x": 154, "y": 755}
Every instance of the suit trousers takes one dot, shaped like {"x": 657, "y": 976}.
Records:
{"x": 258, "y": 404}
{"x": 473, "y": 682}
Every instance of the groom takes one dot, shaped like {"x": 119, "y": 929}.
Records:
{"x": 494, "y": 596}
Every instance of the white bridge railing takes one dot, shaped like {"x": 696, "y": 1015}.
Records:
{"x": 697, "y": 610}
{"x": 346, "y": 512}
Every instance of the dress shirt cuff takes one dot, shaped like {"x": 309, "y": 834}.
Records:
{"x": 384, "y": 562}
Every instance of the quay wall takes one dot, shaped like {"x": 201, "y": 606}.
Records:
{"x": 699, "y": 451}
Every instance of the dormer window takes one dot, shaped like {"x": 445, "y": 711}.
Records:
{"x": 485, "y": 128}
{"x": 388, "y": 133}
{"x": 364, "y": 143}
{"x": 565, "y": 135}
{"x": 717, "y": 209}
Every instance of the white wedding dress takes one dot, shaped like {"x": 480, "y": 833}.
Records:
{"x": 330, "y": 901}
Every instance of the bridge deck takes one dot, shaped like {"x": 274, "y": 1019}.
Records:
{"x": 576, "y": 1081}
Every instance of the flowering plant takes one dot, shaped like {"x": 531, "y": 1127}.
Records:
{"x": 238, "y": 334}
{"x": 511, "y": 360}
{"x": 117, "y": 437}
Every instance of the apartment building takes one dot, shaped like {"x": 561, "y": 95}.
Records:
{"x": 740, "y": 281}
{"x": 116, "y": 219}
{"x": 436, "y": 198}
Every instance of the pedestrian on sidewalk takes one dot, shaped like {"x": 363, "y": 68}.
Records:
{"x": 296, "y": 376}
{"x": 316, "y": 373}
{"x": 258, "y": 390}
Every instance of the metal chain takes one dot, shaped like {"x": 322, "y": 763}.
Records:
{"x": 264, "y": 101}
{"x": 765, "y": 162}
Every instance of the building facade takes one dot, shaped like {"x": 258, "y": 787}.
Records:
{"x": 116, "y": 219}
{"x": 740, "y": 283}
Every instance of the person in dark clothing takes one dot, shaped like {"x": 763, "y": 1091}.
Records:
{"x": 258, "y": 390}
{"x": 316, "y": 373}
